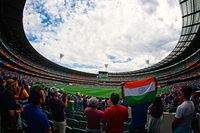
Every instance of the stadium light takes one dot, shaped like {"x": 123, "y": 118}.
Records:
{"x": 106, "y": 67}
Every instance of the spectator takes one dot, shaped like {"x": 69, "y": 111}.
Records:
{"x": 70, "y": 107}
{"x": 115, "y": 115}
{"x": 84, "y": 103}
{"x": 195, "y": 99}
{"x": 175, "y": 104}
{"x": 139, "y": 118}
{"x": 94, "y": 117}
{"x": 37, "y": 120}
{"x": 22, "y": 94}
{"x": 65, "y": 99}
{"x": 184, "y": 113}
{"x": 9, "y": 107}
{"x": 156, "y": 111}
{"x": 27, "y": 88}
{"x": 57, "y": 107}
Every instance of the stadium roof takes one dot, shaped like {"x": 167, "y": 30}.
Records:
{"x": 12, "y": 31}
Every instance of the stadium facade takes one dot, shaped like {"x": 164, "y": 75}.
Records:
{"x": 20, "y": 59}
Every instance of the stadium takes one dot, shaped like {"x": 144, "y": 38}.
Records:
{"x": 19, "y": 59}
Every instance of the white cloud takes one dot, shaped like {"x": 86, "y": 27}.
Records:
{"x": 86, "y": 34}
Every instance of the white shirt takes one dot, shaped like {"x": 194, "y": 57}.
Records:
{"x": 185, "y": 112}
{"x": 186, "y": 108}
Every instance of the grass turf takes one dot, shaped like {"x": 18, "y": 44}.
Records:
{"x": 95, "y": 91}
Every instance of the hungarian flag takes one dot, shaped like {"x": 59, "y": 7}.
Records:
{"x": 141, "y": 91}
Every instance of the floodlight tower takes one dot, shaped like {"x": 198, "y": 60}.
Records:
{"x": 61, "y": 56}
{"x": 147, "y": 62}
{"x": 106, "y": 67}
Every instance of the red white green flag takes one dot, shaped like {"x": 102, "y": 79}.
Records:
{"x": 141, "y": 91}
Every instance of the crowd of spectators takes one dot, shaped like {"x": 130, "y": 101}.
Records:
{"x": 31, "y": 109}
{"x": 18, "y": 60}
{"x": 14, "y": 60}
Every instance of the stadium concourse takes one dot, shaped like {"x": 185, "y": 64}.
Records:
{"x": 22, "y": 67}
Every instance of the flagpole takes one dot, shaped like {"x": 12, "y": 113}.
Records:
{"x": 122, "y": 89}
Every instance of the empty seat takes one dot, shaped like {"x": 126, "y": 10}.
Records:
{"x": 79, "y": 117}
{"x": 82, "y": 124}
{"x": 24, "y": 126}
{"x": 79, "y": 113}
{"x": 126, "y": 126}
{"x": 73, "y": 123}
{"x": 51, "y": 124}
{"x": 77, "y": 130}
{"x": 68, "y": 129}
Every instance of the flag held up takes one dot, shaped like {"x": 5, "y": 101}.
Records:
{"x": 141, "y": 91}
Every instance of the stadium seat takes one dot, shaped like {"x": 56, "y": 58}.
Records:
{"x": 77, "y": 130}
{"x": 51, "y": 123}
{"x": 68, "y": 129}
{"x": 24, "y": 126}
{"x": 79, "y": 117}
{"x": 73, "y": 123}
{"x": 126, "y": 126}
{"x": 79, "y": 112}
{"x": 82, "y": 124}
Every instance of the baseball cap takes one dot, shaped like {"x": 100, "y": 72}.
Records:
{"x": 93, "y": 101}
{"x": 10, "y": 83}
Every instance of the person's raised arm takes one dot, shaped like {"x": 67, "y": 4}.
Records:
{"x": 122, "y": 89}
{"x": 66, "y": 101}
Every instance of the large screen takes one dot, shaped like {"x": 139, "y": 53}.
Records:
{"x": 103, "y": 74}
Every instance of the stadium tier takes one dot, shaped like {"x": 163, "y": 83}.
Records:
{"x": 20, "y": 59}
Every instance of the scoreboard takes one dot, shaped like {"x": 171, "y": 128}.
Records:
{"x": 102, "y": 74}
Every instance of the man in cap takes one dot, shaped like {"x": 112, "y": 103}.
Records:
{"x": 93, "y": 116}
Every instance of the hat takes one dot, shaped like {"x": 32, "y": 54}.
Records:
{"x": 93, "y": 101}
{"x": 10, "y": 83}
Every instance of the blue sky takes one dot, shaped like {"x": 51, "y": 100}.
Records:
{"x": 91, "y": 33}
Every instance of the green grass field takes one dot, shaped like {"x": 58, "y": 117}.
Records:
{"x": 95, "y": 91}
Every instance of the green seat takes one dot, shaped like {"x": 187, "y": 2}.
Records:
{"x": 82, "y": 124}
{"x": 73, "y": 123}
{"x": 79, "y": 113}
{"x": 79, "y": 117}
{"x": 126, "y": 126}
{"x": 24, "y": 126}
{"x": 51, "y": 123}
{"x": 77, "y": 130}
{"x": 68, "y": 129}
